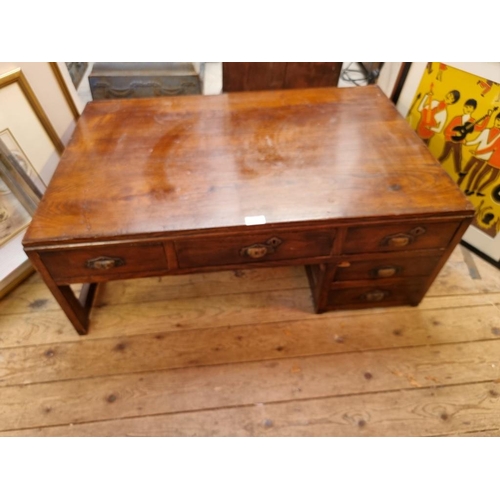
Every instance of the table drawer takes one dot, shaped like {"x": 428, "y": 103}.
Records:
{"x": 395, "y": 237}
{"x": 259, "y": 247}
{"x": 393, "y": 266}
{"x": 403, "y": 292}
{"x": 104, "y": 262}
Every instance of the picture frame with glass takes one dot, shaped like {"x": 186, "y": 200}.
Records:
{"x": 20, "y": 188}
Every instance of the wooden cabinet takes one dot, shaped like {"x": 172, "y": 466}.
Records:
{"x": 238, "y": 76}
{"x": 380, "y": 267}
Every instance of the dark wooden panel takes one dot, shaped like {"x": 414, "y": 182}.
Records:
{"x": 244, "y": 76}
{"x": 238, "y": 76}
{"x": 106, "y": 261}
{"x": 413, "y": 235}
{"x": 271, "y": 246}
{"x": 312, "y": 74}
{"x": 401, "y": 292}
{"x": 393, "y": 266}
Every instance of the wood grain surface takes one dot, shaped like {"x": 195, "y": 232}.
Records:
{"x": 169, "y": 165}
{"x": 240, "y": 354}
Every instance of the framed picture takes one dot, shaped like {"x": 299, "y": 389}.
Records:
{"x": 20, "y": 189}
{"x": 30, "y": 149}
{"x": 20, "y": 159}
{"x": 455, "y": 109}
{"x": 14, "y": 216}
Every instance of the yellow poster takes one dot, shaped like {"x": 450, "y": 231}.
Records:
{"x": 457, "y": 115}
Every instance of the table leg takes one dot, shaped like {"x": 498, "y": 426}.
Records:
{"x": 87, "y": 294}
{"x": 77, "y": 310}
{"x": 320, "y": 278}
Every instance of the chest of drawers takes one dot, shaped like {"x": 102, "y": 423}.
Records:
{"x": 332, "y": 179}
{"x": 385, "y": 265}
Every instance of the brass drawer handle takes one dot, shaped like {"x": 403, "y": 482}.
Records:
{"x": 385, "y": 271}
{"x": 259, "y": 250}
{"x": 399, "y": 240}
{"x": 375, "y": 295}
{"x": 402, "y": 239}
{"x": 103, "y": 263}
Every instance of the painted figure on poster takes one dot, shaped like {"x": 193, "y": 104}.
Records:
{"x": 485, "y": 86}
{"x": 442, "y": 67}
{"x": 485, "y": 218}
{"x": 457, "y": 130}
{"x": 486, "y": 173}
{"x": 478, "y": 160}
{"x": 467, "y": 143}
{"x": 433, "y": 114}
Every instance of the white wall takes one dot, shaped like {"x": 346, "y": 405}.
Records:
{"x": 388, "y": 76}
{"x": 43, "y": 81}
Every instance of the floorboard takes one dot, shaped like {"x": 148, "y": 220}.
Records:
{"x": 242, "y": 354}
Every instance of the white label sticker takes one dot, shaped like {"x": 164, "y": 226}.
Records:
{"x": 255, "y": 220}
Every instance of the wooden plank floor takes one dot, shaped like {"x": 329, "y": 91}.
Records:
{"x": 242, "y": 354}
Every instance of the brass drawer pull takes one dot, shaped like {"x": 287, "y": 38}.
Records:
{"x": 259, "y": 250}
{"x": 375, "y": 295}
{"x": 399, "y": 240}
{"x": 385, "y": 271}
{"x": 402, "y": 239}
{"x": 103, "y": 263}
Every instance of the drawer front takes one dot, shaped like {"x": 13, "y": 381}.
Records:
{"x": 390, "y": 267}
{"x": 104, "y": 262}
{"x": 403, "y": 292}
{"x": 397, "y": 237}
{"x": 261, "y": 247}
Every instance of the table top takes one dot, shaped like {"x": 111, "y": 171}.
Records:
{"x": 169, "y": 165}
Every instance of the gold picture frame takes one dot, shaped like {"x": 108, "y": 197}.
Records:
{"x": 16, "y": 76}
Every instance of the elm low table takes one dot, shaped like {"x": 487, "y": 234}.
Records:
{"x": 332, "y": 179}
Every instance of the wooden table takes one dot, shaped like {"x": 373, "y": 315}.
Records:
{"x": 333, "y": 179}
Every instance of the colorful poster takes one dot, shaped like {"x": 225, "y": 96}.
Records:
{"x": 457, "y": 114}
